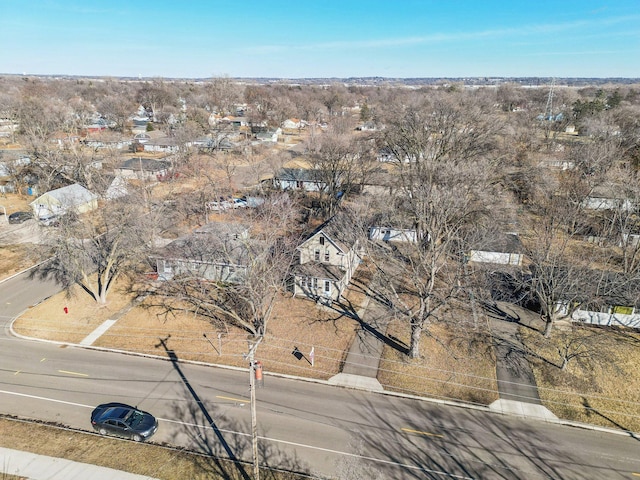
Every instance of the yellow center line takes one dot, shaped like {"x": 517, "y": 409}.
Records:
{"x": 43, "y": 360}
{"x": 418, "y": 432}
{"x": 635, "y": 474}
{"x": 17, "y": 372}
{"x": 233, "y": 399}
{"x": 73, "y": 373}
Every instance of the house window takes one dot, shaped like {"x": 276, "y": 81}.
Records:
{"x": 316, "y": 255}
{"x": 303, "y": 282}
{"x": 326, "y": 255}
{"x": 315, "y": 283}
{"x": 327, "y": 286}
{"x": 321, "y": 240}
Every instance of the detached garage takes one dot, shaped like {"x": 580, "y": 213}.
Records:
{"x": 60, "y": 201}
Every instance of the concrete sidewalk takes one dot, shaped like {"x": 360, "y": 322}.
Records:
{"x": 516, "y": 383}
{"x": 360, "y": 369}
{"x": 42, "y": 467}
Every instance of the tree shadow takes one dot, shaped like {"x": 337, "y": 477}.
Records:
{"x": 590, "y": 410}
{"x": 226, "y": 452}
{"x": 432, "y": 442}
{"x": 376, "y": 325}
{"x": 203, "y": 409}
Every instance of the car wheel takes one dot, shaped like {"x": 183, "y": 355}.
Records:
{"x": 137, "y": 438}
{"x": 102, "y": 431}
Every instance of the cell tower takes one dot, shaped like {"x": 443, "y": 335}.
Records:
{"x": 548, "y": 111}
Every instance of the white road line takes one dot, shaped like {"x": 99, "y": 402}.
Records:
{"x": 295, "y": 444}
{"x": 36, "y": 397}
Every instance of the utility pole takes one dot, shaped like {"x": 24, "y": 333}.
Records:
{"x": 253, "y": 345}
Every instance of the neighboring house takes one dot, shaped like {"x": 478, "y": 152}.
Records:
{"x": 292, "y": 124}
{"x": 615, "y": 302}
{"x": 367, "y": 127}
{"x": 97, "y": 125}
{"x": 328, "y": 259}
{"x": 63, "y": 139}
{"x": 269, "y": 135}
{"x": 299, "y": 179}
{"x": 146, "y": 169}
{"x": 505, "y": 249}
{"x": 141, "y": 137}
{"x": 65, "y": 199}
{"x": 630, "y": 240}
{"x": 221, "y": 143}
{"x": 611, "y": 316}
{"x": 217, "y": 252}
{"x": 110, "y": 142}
{"x": 236, "y": 122}
{"x": 166, "y": 144}
{"x": 385, "y": 155}
{"x": 12, "y": 163}
{"x": 608, "y": 199}
{"x": 560, "y": 163}
{"x": 393, "y": 234}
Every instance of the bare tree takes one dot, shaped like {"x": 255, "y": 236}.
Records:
{"x": 343, "y": 166}
{"x": 244, "y": 294}
{"x": 439, "y": 150}
{"x": 94, "y": 250}
{"x": 116, "y": 108}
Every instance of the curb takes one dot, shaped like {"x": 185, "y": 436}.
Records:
{"x": 449, "y": 403}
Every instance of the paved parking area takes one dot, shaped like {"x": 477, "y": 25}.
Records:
{"x": 27, "y": 232}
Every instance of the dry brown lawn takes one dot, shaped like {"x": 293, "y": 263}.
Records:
{"x": 16, "y": 258}
{"x": 139, "y": 458}
{"x": 602, "y": 388}
{"x": 295, "y": 323}
{"x": 453, "y": 365}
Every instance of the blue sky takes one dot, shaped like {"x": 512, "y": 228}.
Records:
{"x": 325, "y": 38}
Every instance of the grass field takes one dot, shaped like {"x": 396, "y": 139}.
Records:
{"x": 140, "y": 458}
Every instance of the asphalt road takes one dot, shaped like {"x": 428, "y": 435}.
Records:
{"x": 302, "y": 425}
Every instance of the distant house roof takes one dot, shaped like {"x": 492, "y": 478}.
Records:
{"x": 145, "y": 164}
{"x": 504, "y": 243}
{"x": 299, "y": 175}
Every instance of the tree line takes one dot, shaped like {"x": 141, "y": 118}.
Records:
{"x": 461, "y": 167}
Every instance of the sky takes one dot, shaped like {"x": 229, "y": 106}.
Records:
{"x": 321, "y": 38}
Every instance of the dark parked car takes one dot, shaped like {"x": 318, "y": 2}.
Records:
{"x": 19, "y": 217}
{"x": 123, "y": 421}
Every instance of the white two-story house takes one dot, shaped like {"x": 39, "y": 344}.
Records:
{"x": 328, "y": 259}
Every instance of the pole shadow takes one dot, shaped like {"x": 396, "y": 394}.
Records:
{"x": 175, "y": 362}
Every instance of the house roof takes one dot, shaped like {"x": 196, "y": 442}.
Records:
{"x": 299, "y": 175}
{"x": 71, "y": 195}
{"x": 144, "y": 164}
{"x": 503, "y": 243}
{"x": 222, "y": 243}
{"x": 337, "y": 231}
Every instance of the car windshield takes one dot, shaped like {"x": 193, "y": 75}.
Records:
{"x": 134, "y": 418}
